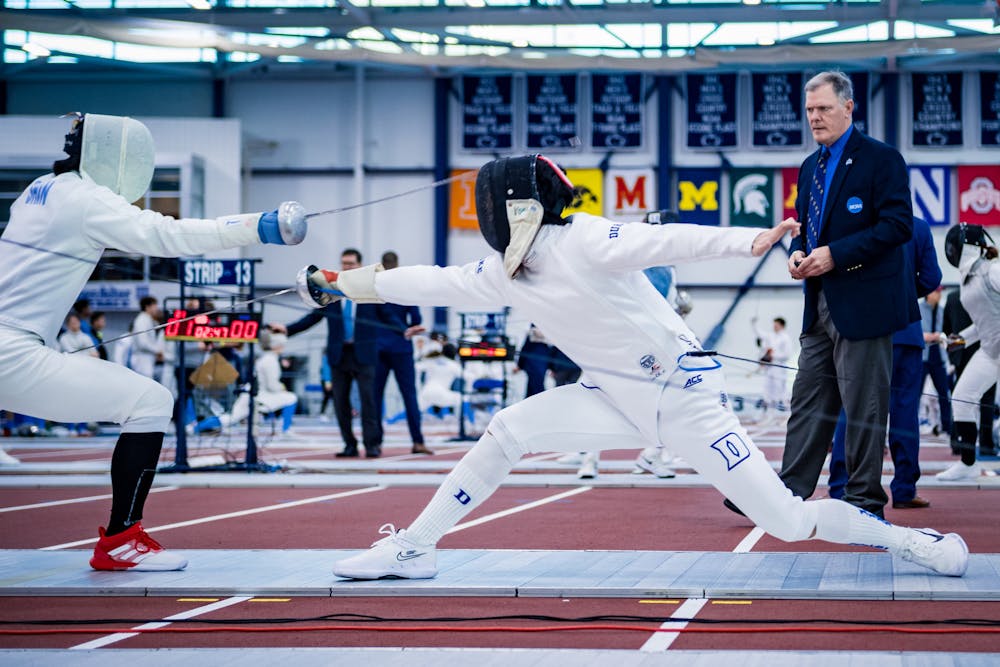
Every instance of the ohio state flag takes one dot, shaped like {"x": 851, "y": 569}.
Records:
{"x": 979, "y": 194}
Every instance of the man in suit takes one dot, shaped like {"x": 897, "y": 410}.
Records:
{"x": 396, "y": 327}
{"x": 854, "y": 205}
{"x": 350, "y": 351}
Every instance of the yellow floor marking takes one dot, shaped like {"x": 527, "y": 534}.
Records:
{"x": 271, "y": 600}
{"x": 197, "y": 599}
{"x": 732, "y": 601}
{"x": 659, "y": 601}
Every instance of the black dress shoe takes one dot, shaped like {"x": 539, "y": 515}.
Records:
{"x": 731, "y": 506}
{"x": 420, "y": 448}
{"x": 348, "y": 454}
{"x": 916, "y": 503}
{"x": 373, "y": 452}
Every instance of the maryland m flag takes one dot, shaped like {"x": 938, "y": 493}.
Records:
{"x": 629, "y": 194}
{"x": 588, "y": 185}
{"x": 462, "y": 200}
{"x": 751, "y": 197}
{"x": 698, "y": 196}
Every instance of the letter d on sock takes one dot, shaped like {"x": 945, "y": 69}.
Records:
{"x": 463, "y": 497}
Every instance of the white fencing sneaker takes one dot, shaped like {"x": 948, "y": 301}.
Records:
{"x": 945, "y": 554}
{"x": 8, "y": 460}
{"x": 958, "y": 472}
{"x": 573, "y": 459}
{"x": 654, "y": 464}
{"x": 392, "y": 556}
{"x": 588, "y": 470}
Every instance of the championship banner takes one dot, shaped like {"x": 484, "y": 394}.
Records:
{"x": 589, "y": 188}
{"x": 616, "y": 111}
{"x": 989, "y": 101}
{"x": 937, "y": 108}
{"x": 630, "y": 194}
{"x": 553, "y": 112}
{"x": 711, "y": 110}
{"x": 789, "y": 192}
{"x": 979, "y": 194}
{"x": 462, "y": 200}
{"x": 930, "y": 193}
{"x": 860, "y": 81}
{"x": 777, "y": 109}
{"x": 487, "y": 113}
{"x": 698, "y": 196}
{"x": 751, "y": 197}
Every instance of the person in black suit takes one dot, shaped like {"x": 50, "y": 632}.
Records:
{"x": 854, "y": 206}
{"x": 350, "y": 351}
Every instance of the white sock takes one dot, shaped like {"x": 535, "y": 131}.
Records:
{"x": 473, "y": 480}
{"x": 843, "y": 523}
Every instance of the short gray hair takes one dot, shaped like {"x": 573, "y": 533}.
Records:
{"x": 841, "y": 83}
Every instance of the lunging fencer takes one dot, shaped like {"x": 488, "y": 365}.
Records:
{"x": 966, "y": 248}
{"x": 58, "y": 230}
{"x": 647, "y": 379}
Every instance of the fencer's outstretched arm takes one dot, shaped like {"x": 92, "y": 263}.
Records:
{"x": 634, "y": 246}
{"x": 111, "y": 222}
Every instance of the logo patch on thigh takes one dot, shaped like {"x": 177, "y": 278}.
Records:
{"x": 733, "y": 449}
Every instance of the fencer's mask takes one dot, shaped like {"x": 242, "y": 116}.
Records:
{"x": 961, "y": 235}
{"x": 117, "y": 152}
{"x": 515, "y": 196}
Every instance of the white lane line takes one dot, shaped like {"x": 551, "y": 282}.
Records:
{"x": 661, "y": 641}
{"x": 519, "y": 508}
{"x": 184, "y": 615}
{"x": 232, "y": 515}
{"x": 70, "y": 501}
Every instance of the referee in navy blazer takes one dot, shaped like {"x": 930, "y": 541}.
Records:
{"x": 854, "y": 205}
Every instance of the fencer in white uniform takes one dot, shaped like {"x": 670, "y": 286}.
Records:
{"x": 58, "y": 230}
{"x": 648, "y": 379}
{"x": 147, "y": 347}
{"x": 776, "y": 346}
{"x": 967, "y": 249}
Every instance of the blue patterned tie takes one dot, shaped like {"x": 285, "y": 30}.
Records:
{"x": 815, "y": 213}
{"x": 348, "y": 308}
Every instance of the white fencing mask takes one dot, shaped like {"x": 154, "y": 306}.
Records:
{"x": 118, "y": 153}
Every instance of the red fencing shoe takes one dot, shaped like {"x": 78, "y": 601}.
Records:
{"x": 133, "y": 549}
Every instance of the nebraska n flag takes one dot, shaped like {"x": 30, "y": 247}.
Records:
{"x": 979, "y": 194}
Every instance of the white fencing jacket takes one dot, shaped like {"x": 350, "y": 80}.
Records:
{"x": 582, "y": 284}
{"x": 980, "y": 296}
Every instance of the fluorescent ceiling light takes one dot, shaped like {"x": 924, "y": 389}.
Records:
{"x": 36, "y": 50}
{"x": 200, "y": 4}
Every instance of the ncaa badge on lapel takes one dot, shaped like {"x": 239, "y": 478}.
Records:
{"x": 854, "y": 205}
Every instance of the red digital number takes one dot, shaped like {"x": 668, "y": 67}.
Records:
{"x": 173, "y": 325}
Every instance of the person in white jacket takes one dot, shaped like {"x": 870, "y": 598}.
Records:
{"x": 648, "y": 380}
{"x": 73, "y": 339}
{"x": 776, "y": 350}
{"x": 147, "y": 348}
{"x": 968, "y": 250}
{"x": 58, "y": 230}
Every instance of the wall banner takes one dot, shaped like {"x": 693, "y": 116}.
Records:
{"x": 698, "y": 196}
{"x": 930, "y": 192}
{"x": 553, "y": 113}
{"x": 711, "y": 110}
{"x": 630, "y": 193}
{"x": 487, "y": 113}
{"x": 589, "y": 187}
{"x": 860, "y": 81}
{"x": 989, "y": 101}
{"x": 751, "y": 197}
{"x": 114, "y": 295}
{"x": 979, "y": 194}
{"x": 937, "y": 108}
{"x": 777, "y": 109}
{"x": 789, "y": 192}
{"x": 616, "y": 111}
{"x": 462, "y": 200}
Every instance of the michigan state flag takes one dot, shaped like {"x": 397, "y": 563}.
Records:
{"x": 751, "y": 197}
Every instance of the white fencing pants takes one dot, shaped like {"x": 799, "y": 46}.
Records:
{"x": 38, "y": 381}
{"x": 979, "y": 375}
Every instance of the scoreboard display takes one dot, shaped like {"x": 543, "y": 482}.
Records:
{"x": 225, "y": 327}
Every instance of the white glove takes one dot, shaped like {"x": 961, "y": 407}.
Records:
{"x": 317, "y": 287}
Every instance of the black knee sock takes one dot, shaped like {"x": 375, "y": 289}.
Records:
{"x": 965, "y": 434}
{"x": 133, "y": 466}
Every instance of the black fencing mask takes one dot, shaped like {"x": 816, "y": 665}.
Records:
{"x": 961, "y": 235}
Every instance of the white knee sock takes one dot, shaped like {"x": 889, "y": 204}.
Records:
{"x": 473, "y": 480}
{"x": 843, "y": 523}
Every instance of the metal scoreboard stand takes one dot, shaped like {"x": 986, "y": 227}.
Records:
{"x": 242, "y": 326}
{"x": 483, "y": 340}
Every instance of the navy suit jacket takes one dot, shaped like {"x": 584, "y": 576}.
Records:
{"x": 922, "y": 261}
{"x": 393, "y": 320}
{"x": 867, "y": 220}
{"x": 364, "y": 331}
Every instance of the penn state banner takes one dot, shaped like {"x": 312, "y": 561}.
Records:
{"x": 589, "y": 188}
{"x": 789, "y": 192}
{"x": 989, "y": 102}
{"x": 628, "y": 194}
{"x": 711, "y": 110}
{"x": 777, "y": 109}
{"x": 930, "y": 192}
{"x": 937, "y": 108}
{"x": 751, "y": 197}
{"x": 462, "y": 200}
{"x": 487, "y": 113}
{"x": 979, "y": 194}
{"x": 616, "y": 111}
{"x": 860, "y": 81}
{"x": 698, "y": 196}
{"x": 553, "y": 112}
